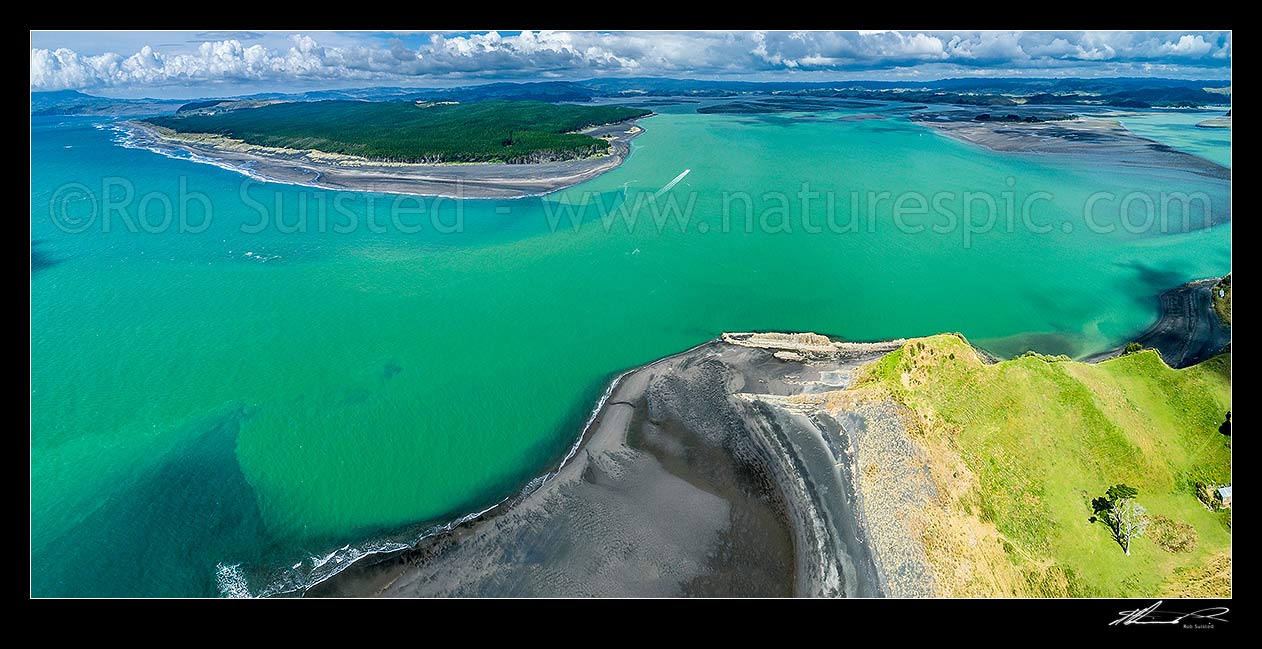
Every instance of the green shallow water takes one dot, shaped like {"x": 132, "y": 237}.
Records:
{"x": 195, "y": 407}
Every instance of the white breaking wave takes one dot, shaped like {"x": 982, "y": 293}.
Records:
{"x": 231, "y": 581}
{"x": 126, "y": 137}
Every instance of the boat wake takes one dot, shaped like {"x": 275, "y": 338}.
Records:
{"x": 672, "y": 183}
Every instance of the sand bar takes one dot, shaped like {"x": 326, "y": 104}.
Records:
{"x": 340, "y": 172}
{"x": 1088, "y": 139}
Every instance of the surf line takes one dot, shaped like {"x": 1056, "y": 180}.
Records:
{"x": 672, "y": 183}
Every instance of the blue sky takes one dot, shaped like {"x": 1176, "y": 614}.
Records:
{"x": 184, "y": 63}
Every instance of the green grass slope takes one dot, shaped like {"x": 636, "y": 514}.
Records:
{"x": 1021, "y": 447}
{"x": 403, "y": 131}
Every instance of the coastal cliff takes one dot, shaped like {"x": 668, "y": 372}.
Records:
{"x": 796, "y": 465}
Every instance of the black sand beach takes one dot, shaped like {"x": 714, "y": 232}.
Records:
{"x": 699, "y": 476}
{"x": 1187, "y": 331}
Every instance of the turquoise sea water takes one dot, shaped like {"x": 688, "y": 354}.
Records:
{"x": 1178, "y": 129}
{"x": 240, "y": 407}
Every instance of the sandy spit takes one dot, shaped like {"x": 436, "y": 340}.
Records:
{"x": 339, "y": 172}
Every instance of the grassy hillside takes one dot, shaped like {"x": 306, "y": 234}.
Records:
{"x": 1019, "y": 448}
{"x": 488, "y": 131}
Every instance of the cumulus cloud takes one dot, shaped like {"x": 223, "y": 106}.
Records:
{"x": 1189, "y": 45}
{"x": 247, "y": 57}
{"x": 543, "y": 51}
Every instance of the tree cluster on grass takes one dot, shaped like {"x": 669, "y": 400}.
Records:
{"x": 1132, "y": 347}
{"x": 1126, "y": 518}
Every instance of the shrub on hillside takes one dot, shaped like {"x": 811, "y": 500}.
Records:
{"x": 1171, "y": 535}
{"x": 1046, "y": 358}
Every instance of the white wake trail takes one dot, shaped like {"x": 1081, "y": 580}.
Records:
{"x": 672, "y": 183}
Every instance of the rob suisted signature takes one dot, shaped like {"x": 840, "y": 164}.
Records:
{"x": 1152, "y": 615}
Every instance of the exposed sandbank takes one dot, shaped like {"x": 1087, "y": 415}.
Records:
{"x": 1087, "y": 138}
{"x": 1222, "y": 121}
{"x": 341, "y": 172}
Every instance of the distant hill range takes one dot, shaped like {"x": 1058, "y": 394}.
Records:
{"x": 1129, "y": 92}
{"x": 73, "y": 102}
{"x": 1120, "y": 92}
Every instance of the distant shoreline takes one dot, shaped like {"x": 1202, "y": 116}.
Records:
{"x": 349, "y": 173}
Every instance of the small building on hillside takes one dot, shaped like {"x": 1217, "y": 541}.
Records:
{"x": 1224, "y": 493}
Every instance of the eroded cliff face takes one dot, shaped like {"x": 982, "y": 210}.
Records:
{"x": 884, "y": 475}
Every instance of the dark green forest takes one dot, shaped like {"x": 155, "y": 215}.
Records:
{"x": 403, "y": 131}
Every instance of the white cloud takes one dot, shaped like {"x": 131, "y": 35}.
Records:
{"x": 336, "y": 57}
{"x": 989, "y": 47}
{"x": 1189, "y": 45}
